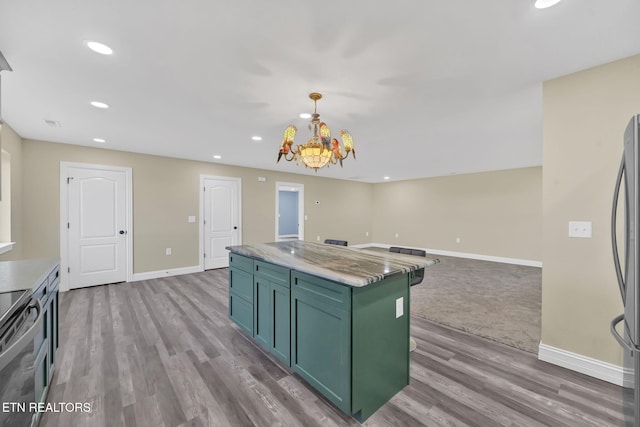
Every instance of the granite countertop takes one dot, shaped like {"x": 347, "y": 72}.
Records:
{"x": 25, "y": 274}
{"x": 347, "y": 265}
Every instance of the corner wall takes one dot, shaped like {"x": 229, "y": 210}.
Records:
{"x": 584, "y": 117}
{"x": 496, "y": 214}
{"x": 167, "y": 190}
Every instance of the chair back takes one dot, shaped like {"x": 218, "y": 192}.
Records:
{"x": 418, "y": 275}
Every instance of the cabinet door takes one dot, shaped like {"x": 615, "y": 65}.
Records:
{"x": 262, "y": 312}
{"x": 321, "y": 346}
{"x": 241, "y": 312}
{"x": 241, "y": 284}
{"x": 281, "y": 319}
{"x": 41, "y": 371}
{"x": 53, "y": 330}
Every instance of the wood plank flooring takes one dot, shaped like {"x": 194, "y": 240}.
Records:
{"x": 163, "y": 352}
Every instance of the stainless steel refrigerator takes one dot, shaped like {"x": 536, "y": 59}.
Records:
{"x": 627, "y": 269}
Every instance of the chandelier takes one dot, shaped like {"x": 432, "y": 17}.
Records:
{"x": 320, "y": 150}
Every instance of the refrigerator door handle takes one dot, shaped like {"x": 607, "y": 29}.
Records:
{"x": 614, "y": 239}
{"x": 617, "y": 336}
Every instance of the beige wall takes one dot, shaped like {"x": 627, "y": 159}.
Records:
{"x": 167, "y": 190}
{"x": 12, "y": 143}
{"x": 493, "y": 213}
{"x": 585, "y": 115}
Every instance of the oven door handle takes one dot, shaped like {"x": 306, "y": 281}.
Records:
{"x": 10, "y": 353}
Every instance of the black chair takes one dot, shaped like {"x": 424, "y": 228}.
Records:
{"x": 336, "y": 242}
{"x": 418, "y": 276}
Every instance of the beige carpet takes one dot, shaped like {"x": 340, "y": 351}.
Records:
{"x": 498, "y": 301}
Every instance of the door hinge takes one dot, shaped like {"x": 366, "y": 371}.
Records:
{"x": 204, "y": 188}
{"x": 68, "y": 226}
{"x": 69, "y": 178}
{"x": 205, "y": 255}
{"x": 68, "y": 269}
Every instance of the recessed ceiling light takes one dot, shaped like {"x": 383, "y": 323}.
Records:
{"x": 543, "y": 4}
{"x": 256, "y": 138}
{"x": 387, "y": 178}
{"x": 305, "y": 116}
{"x": 100, "y": 48}
{"x": 217, "y": 156}
{"x": 99, "y": 140}
{"x": 99, "y": 104}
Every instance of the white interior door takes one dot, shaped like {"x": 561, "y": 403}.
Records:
{"x": 221, "y": 222}
{"x": 97, "y": 229}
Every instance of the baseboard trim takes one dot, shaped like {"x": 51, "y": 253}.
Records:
{"x": 516, "y": 261}
{"x": 165, "y": 273}
{"x": 586, "y": 365}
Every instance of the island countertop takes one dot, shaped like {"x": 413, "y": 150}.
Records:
{"x": 347, "y": 265}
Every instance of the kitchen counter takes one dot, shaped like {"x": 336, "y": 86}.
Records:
{"x": 350, "y": 266}
{"x": 25, "y": 274}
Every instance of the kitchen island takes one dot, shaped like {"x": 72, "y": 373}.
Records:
{"x": 338, "y": 316}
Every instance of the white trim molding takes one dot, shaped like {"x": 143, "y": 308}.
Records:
{"x": 6, "y": 247}
{"x": 299, "y": 188}
{"x": 586, "y": 365}
{"x": 165, "y": 273}
{"x": 516, "y": 261}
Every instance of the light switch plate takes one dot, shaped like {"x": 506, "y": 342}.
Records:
{"x": 580, "y": 229}
{"x": 191, "y": 218}
{"x": 399, "y": 307}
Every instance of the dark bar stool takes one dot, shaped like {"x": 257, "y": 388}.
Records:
{"x": 336, "y": 242}
{"x": 418, "y": 276}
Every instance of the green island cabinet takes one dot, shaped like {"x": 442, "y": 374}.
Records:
{"x": 349, "y": 343}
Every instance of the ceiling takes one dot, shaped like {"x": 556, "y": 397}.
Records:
{"x": 426, "y": 88}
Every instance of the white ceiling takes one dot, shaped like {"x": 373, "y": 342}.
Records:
{"x": 426, "y": 88}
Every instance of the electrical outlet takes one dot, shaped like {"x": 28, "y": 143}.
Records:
{"x": 366, "y": 234}
{"x": 318, "y": 238}
{"x": 457, "y": 240}
{"x": 399, "y": 307}
{"x": 397, "y": 235}
{"x": 167, "y": 251}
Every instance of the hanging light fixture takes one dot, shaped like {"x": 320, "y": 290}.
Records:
{"x": 320, "y": 150}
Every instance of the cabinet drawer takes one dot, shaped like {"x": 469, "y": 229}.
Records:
{"x": 324, "y": 291}
{"x": 241, "y": 312}
{"x": 42, "y": 292}
{"x": 274, "y": 273}
{"x": 53, "y": 276}
{"x": 241, "y": 284}
{"x": 241, "y": 262}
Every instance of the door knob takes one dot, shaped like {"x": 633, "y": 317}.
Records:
{"x": 122, "y": 232}
{"x": 235, "y": 228}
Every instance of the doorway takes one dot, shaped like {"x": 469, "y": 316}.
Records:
{"x": 95, "y": 225}
{"x": 289, "y": 211}
{"x": 221, "y": 214}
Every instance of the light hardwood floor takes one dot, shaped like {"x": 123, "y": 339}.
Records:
{"x": 163, "y": 352}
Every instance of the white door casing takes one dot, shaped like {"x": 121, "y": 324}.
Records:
{"x": 299, "y": 188}
{"x": 95, "y": 244}
{"x": 221, "y": 219}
